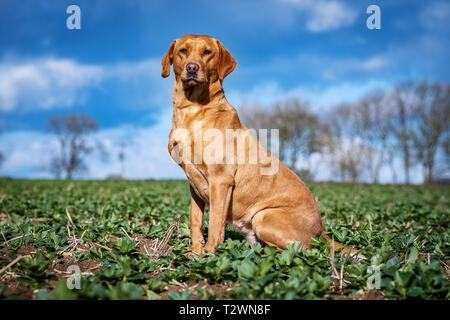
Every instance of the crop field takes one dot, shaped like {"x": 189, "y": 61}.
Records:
{"x": 129, "y": 240}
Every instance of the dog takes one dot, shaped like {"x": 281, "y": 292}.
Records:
{"x": 274, "y": 208}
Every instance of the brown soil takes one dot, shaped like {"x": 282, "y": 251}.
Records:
{"x": 113, "y": 239}
{"x": 57, "y": 268}
{"x": 369, "y": 295}
{"x": 359, "y": 295}
{"x": 26, "y": 250}
{"x": 152, "y": 247}
{"x": 21, "y": 290}
{"x": 14, "y": 287}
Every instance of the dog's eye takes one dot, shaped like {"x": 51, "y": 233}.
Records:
{"x": 206, "y": 52}
{"x": 184, "y": 50}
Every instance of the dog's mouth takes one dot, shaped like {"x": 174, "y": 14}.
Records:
{"x": 191, "y": 80}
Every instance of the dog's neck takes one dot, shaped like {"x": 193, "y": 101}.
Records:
{"x": 202, "y": 94}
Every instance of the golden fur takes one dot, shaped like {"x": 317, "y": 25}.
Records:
{"x": 274, "y": 209}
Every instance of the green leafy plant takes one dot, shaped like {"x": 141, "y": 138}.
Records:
{"x": 403, "y": 231}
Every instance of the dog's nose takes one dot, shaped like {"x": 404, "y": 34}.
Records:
{"x": 192, "y": 67}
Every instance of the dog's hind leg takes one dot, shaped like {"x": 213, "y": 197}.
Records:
{"x": 278, "y": 227}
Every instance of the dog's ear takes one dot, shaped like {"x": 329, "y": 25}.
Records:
{"x": 167, "y": 61}
{"x": 226, "y": 62}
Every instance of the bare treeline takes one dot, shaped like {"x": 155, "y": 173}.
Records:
{"x": 396, "y": 130}
{"x": 74, "y": 134}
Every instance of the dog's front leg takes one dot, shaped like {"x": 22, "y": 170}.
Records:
{"x": 197, "y": 208}
{"x": 219, "y": 197}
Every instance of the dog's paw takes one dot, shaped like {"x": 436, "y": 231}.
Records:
{"x": 210, "y": 248}
{"x": 196, "y": 251}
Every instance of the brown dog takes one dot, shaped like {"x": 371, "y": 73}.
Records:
{"x": 266, "y": 201}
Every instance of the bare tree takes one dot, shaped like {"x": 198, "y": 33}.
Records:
{"x": 369, "y": 121}
{"x": 411, "y": 123}
{"x": 255, "y": 116}
{"x": 402, "y": 123}
{"x": 300, "y": 131}
{"x": 72, "y": 131}
{"x": 121, "y": 157}
{"x": 442, "y": 171}
{"x": 432, "y": 110}
{"x": 348, "y": 153}
{"x": 2, "y": 158}
{"x": 351, "y": 159}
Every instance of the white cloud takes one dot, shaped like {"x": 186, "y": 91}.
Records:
{"x": 436, "y": 16}
{"x": 141, "y": 85}
{"x": 331, "y": 69}
{"x": 321, "y": 98}
{"x": 373, "y": 63}
{"x": 47, "y": 83}
{"x": 146, "y": 152}
{"x": 26, "y": 153}
{"x": 319, "y": 67}
{"x": 324, "y": 15}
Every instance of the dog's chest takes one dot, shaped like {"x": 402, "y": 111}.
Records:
{"x": 183, "y": 152}
{"x": 181, "y": 146}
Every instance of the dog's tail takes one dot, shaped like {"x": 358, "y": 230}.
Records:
{"x": 345, "y": 250}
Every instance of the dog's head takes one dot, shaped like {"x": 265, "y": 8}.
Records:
{"x": 197, "y": 59}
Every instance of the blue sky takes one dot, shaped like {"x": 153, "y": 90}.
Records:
{"x": 316, "y": 50}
